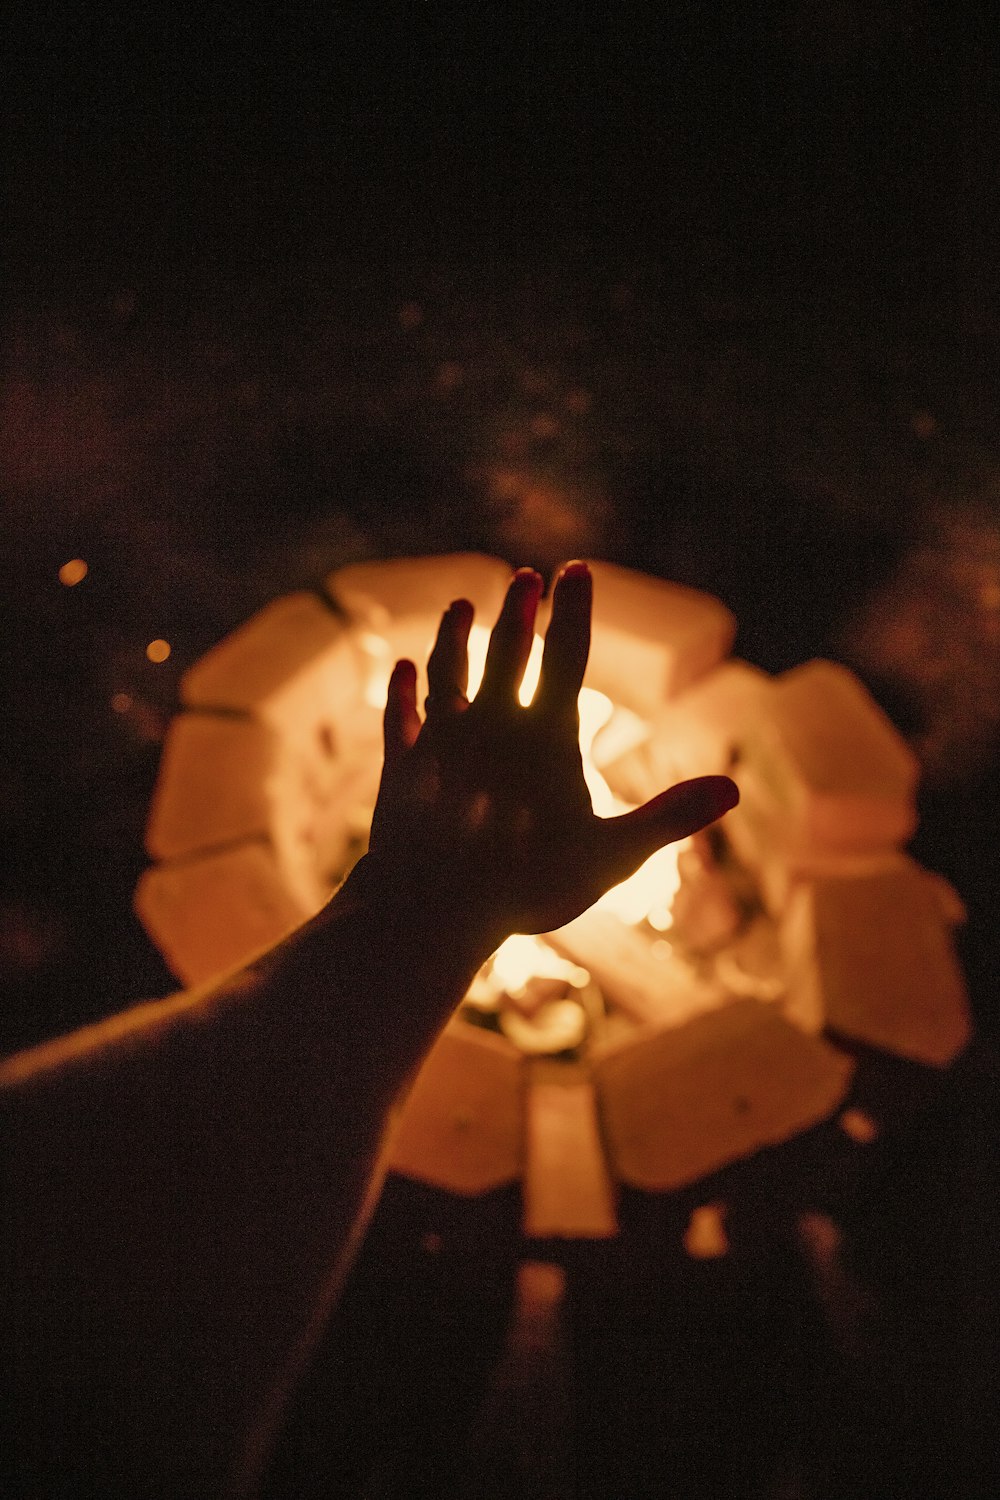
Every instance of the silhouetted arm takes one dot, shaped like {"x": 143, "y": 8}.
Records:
{"x": 186, "y": 1182}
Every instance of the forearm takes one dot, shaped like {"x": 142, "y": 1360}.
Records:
{"x": 186, "y": 1183}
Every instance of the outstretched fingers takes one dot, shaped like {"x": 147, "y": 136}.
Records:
{"x": 510, "y": 643}
{"x": 675, "y": 814}
{"x": 448, "y": 667}
{"x": 401, "y": 722}
{"x": 567, "y": 641}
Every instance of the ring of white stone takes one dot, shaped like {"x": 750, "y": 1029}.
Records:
{"x": 439, "y": 703}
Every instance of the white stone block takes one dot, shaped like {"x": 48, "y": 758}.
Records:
{"x": 462, "y": 1127}
{"x": 314, "y": 819}
{"x": 297, "y": 671}
{"x": 652, "y": 639}
{"x": 781, "y": 872}
{"x": 567, "y": 1191}
{"x": 212, "y": 786}
{"x": 291, "y": 661}
{"x": 225, "y": 780}
{"x": 698, "y": 732}
{"x": 401, "y": 586}
{"x": 822, "y": 769}
{"x": 873, "y": 957}
{"x": 402, "y": 600}
{"x": 679, "y": 1104}
{"x": 209, "y": 914}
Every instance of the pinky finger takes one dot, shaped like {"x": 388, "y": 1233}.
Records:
{"x": 401, "y": 722}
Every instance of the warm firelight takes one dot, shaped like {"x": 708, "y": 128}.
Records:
{"x": 691, "y": 1016}
{"x": 73, "y": 572}
{"x": 647, "y": 895}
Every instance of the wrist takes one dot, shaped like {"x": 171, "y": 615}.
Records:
{"x": 424, "y": 908}
{"x": 392, "y": 956}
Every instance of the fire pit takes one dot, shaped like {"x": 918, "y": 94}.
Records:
{"x": 701, "y": 1010}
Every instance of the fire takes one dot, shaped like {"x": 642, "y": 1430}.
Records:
{"x": 681, "y": 1023}
{"x": 522, "y": 958}
{"x": 605, "y": 729}
{"x": 376, "y": 651}
{"x": 479, "y": 640}
{"x": 648, "y": 894}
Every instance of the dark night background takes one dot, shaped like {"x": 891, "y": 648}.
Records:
{"x": 708, "y": 293}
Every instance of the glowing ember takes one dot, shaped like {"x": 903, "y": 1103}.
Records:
{"x": 705, "y": 1236}
{"x": 860, "y": 1126}
{"x": 73, "y": 572}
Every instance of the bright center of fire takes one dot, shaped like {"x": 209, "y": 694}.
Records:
{"x": 701, "y": 1010}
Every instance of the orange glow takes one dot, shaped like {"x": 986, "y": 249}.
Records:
{"x": 680, "y": 1028}
{"x": 121, "y": 703}
{"x": 449, "y": 377}
{"x": 705, "y": 1236}
{"x": 859, "y": 1126}
{"x": 544, "y": 426}
{"x": 158, "y": 650}
{"x": 523, "y": 957}
{"x": 645, "y": 896}
{"x": 73, "y": 572}
{"x": 479, "y": 640}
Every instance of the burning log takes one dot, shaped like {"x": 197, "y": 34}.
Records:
{"x": 691, "y": 1016}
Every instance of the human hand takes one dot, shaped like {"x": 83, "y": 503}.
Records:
{"x": 485, "y": 803}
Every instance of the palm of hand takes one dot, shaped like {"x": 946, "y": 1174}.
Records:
{"x": 496, "y": 807}
{"x": 488, "y": 800}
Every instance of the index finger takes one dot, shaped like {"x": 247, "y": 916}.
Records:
{"x": 567, "y": 640}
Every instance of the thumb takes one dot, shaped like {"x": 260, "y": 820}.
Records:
{"x": 674, "y": 814}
